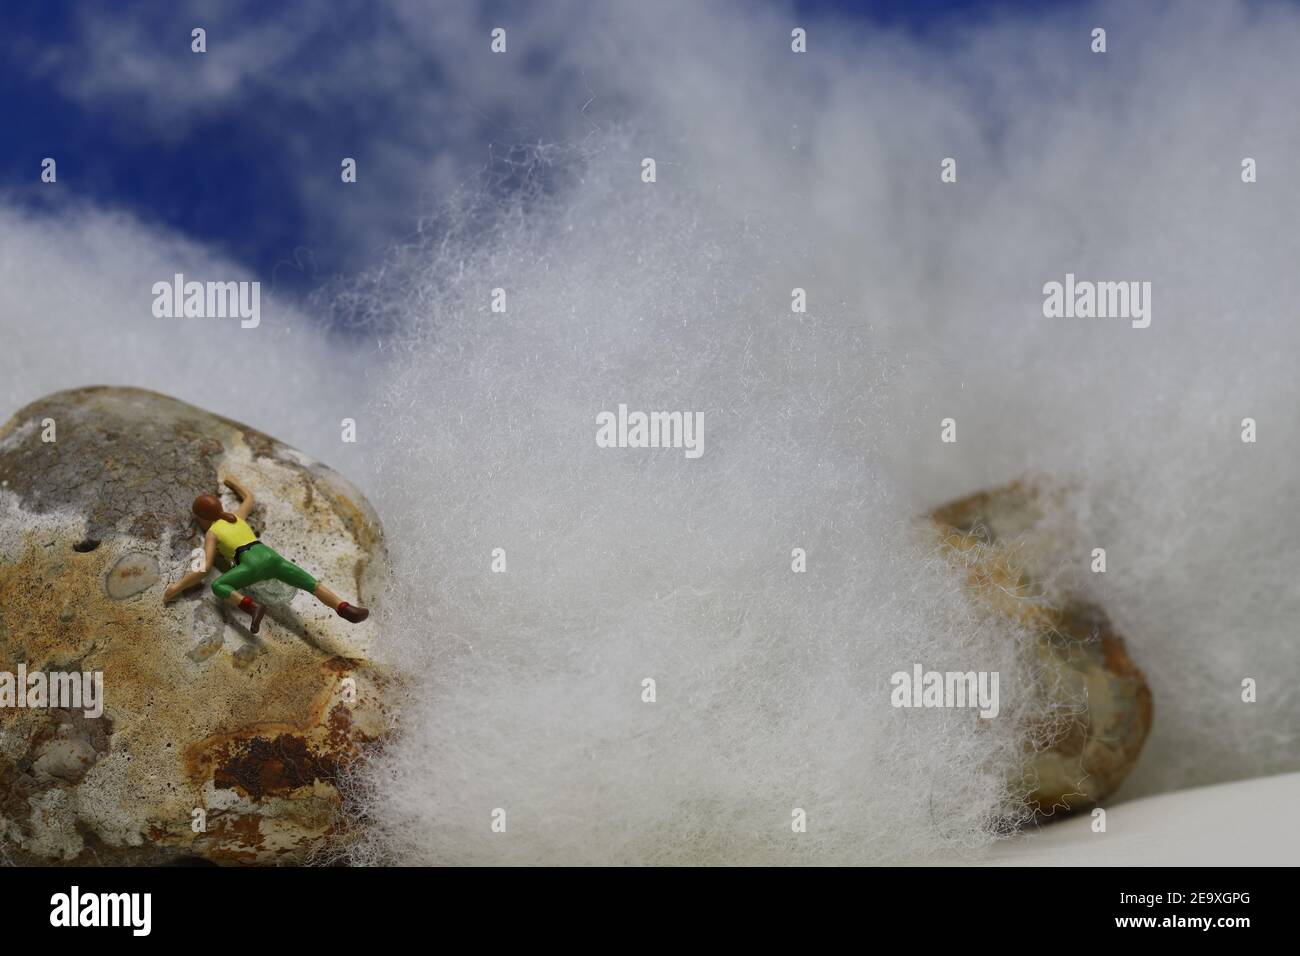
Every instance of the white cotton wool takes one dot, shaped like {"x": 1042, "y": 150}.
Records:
{"x": 76, "y": 309}
{"x": 622, "y": 565}
{"x": 822, "y": 432}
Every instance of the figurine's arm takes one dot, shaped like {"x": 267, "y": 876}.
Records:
{"x": 195, "y": 577}
{"x": 245, "y": 497}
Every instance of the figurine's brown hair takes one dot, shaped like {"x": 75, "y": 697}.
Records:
{"x": 208, "y": 507}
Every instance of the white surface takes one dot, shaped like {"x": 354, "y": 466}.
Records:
{"x": 1247, "y": 823}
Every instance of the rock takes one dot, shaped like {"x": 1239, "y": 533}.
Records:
{"x": 1009, "y": 541}
{"x": 133, "y": 573}
{"x": 198, "y": 715}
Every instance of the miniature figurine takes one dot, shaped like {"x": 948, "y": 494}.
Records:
{"x": 251, "y": 561}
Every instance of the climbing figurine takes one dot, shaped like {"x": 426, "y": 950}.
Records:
{"x": 250, "y": 561}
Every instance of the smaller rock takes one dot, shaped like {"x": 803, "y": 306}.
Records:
{"x": 205, "y": 648}
{"x": 208, "y": 626}
{"x": 65, "y": 758}
{"x": 1008, "y": 541}
{"x": 134, "y": 572}
{"x": 245, "y": 655}
{"x": 67, "y": 751}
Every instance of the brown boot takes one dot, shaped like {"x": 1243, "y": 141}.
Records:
{"x": 255, "y": 611}
{"x": 350, "y": 613}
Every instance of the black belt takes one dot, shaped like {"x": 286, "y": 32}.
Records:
{"x": 244, "y": 547}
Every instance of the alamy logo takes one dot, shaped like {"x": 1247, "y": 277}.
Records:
{"x": 923, "y": 688}
{"x": 1098, "y": 300}
{"x": 103, "y": 909}
{"x": 651, "y": 430}
{"x": 179, "y": 299}
{"x": 82, "y": 691}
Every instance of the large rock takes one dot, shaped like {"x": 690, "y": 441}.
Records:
{"x": 1009, "y": 542}
{"x": 199, "y": 715}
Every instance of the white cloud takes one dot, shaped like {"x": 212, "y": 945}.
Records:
{"x": 76, "y": 309}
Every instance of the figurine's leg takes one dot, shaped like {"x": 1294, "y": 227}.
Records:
{"x": 227, "y": 587}
{"x": 349, "y": 612}
{"x": 290, "y": 573}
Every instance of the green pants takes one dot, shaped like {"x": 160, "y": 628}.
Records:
{"x": 260, "y": 563}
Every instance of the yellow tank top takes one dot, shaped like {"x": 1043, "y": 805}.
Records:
{"x": 231, "y": 536}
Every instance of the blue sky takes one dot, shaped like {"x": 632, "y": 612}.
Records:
{"x": 237, "y": 151}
